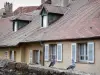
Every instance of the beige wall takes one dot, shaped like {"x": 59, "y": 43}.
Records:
{"x": 22, "y": 52}
{"x": 18, "y": 53}
{"x": 92, "y": 68}
{"x": 33, "y": 46}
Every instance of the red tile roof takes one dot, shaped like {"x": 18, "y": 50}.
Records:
{"x": 81, "y": 20}
{"x": 25, "y": 9}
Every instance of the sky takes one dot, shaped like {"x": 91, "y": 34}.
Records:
{"x": 18, "y": 3}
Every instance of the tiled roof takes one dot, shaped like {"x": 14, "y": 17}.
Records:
{"x": 54, "y": 9}
{"x": 13, "y": 39}
{"x": 24, "y": 16}
{"x": 81, "y": 20}
{"x": 25, "y": 9}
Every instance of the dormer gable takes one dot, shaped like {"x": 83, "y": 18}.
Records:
{"x": 50, "y": 14}
{"x": 20, "y": 21}
{"x": 18, "y": 24}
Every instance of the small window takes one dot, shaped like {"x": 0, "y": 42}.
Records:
{"x": 44, "y": 21}
{"x": 12, "y": 55}
{"x": 83, "y": 52}
{"x": 83, "y": 56}
{"x": 53, "y": 52}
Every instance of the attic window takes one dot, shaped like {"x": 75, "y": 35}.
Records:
{"x": 15, "y": 27}
{"x": 44, "y": 21}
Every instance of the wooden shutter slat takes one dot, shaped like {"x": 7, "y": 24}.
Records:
{"x": 74, "y": 51}
{"x": 91, "y": 52}
{"x": 46, "y": 52}
{"x": 59, "y": 52}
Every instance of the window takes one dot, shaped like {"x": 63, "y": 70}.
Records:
{"x": 15, "y": 26}
{"x": 83, "y": 52}
{"x": 53, "y": 51}
{"x": 83, "y": 56}
{"x": 44, "y": 21}
{"x": 12, "y": 55}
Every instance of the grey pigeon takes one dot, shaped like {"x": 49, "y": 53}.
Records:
{"x": 71, "y": 66}
{"x": 52, "y": 62}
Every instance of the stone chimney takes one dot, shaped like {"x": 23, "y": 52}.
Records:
{"x": 8, "y": 8}
{"x": 42, "y": 1}
{"x": 63, "y": 3}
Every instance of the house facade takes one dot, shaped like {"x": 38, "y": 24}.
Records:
{"x": 62, "y": 29}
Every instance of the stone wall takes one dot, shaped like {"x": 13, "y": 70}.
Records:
{"x": 8, "y": 67}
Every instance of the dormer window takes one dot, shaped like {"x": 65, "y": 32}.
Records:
{"x": 15, "y": 26}
{"x": 45, "y": 21}
{"x": 50, "y": 16}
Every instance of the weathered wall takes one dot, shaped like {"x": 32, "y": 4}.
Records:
{"x": 90, "y": 68}
{"x": 17, "y": 49}
{"x": 33, "y": 46}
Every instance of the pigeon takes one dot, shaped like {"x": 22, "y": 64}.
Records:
{"x": 52, "y": 63}
{"x": 72, "y": 66}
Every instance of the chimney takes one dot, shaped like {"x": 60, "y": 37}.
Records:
{"x": 8, "y": 8}
{"x": 63, "y": 3}
{"x": 42, "y": 1}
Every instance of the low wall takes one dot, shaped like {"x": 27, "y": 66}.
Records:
{"x": 8, "y": 67}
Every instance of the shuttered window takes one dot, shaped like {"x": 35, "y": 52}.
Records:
{"x": 91, "y": 52}
{"x": 74, "y": 51}
{"x": 59, "y": 52}
{"x": 31, "y": 56}
{"x": 46, "y": 52}
{"x": 85, "y": 52}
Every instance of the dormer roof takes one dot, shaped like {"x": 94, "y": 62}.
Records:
{"x": 54, "y": 9}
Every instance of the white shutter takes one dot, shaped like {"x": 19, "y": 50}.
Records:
{"x": 15, "y": 27}
{"x": 74, "y": 51}
{"x": 12, "y": 57}
{"x": 45, "y": 21}
{"x": 31, "y": 56}
{"x": 91, "y": 52}
{"x": 59, "y": 52}
{"x": 46, "y": 52}
{"x": 39, "y": 56}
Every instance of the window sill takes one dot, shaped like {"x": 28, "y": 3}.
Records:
{"x": 84, "y": 62}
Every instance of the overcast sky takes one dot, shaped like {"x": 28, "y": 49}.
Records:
{"x": 18, "y": 3}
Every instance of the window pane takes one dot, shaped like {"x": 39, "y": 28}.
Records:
{"x": 53, "y": 51}
{"x": 81, "y": 49}
{"x": 81, "y": 57}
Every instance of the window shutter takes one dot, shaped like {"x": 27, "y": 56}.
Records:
{"x": 13, "y": 56}
{"x": 46, "y": 52}
{"x": 45, "y": 21}
{"x": 31, "y": 56}
{"x": 59, "y": 52}
{"x": 74, "y": 51}
{"x": 15, "y": 26}
{"x": 91, "y": 52}
{"x": 39, "y": 56}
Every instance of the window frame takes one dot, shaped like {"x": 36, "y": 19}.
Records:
{"x": 84, "y": 53}
{"x": 51, "y": 51}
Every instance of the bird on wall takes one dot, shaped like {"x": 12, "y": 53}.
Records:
{"x": 72, "y": 66}
{"x": 52, "y": 62}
